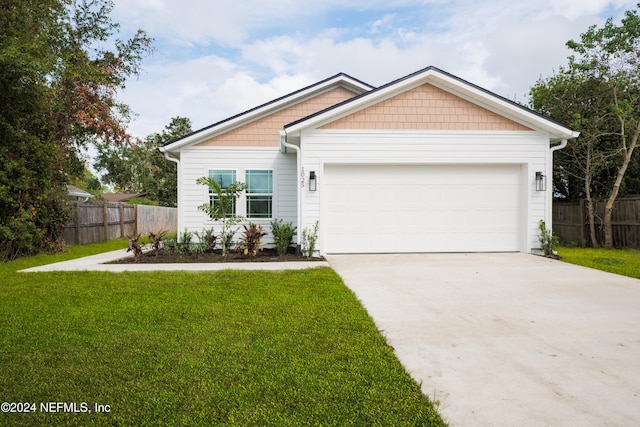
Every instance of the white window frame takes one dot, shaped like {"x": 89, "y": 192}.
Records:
{"x": 248, "y": 195}
{"x": 213, "y": 195}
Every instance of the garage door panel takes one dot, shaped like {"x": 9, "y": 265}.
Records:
{"x": 421, "y": 208}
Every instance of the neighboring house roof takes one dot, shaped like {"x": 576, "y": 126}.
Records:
{"x": 77, "y": 192}
{"x": 121, "y": 197}
{"x": 447, "y": 82}
{"x": 338, "y": 80}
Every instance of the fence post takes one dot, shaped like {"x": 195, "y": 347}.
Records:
{"x": 105, "y": 220}
{"x": 135, "y": 220}
{"x": 77, "y": 236}
{"x": 121, "y": 213}
{"x": 583, "y": 240}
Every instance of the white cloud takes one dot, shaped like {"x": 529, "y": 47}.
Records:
{"x": 267, "y": 52}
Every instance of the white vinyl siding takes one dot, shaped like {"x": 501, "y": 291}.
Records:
{"x": 197, "y": 161}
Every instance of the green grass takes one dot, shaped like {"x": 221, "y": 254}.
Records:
{"x": 620, "y": 261}
{"x": 224, "y": 348}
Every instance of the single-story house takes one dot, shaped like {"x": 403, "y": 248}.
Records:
{"x": 426, "y": 163}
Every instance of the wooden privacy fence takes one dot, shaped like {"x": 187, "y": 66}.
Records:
{"x": 91, "y": 223}
{"x": 571, "y": 222}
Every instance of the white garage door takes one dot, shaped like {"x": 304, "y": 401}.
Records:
{"x": 425, "y": 208}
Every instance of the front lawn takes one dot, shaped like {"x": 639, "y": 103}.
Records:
{"x": 620, "y": 261}
{"x": 223, "y": 348}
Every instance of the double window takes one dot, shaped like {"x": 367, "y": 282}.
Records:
{"x": 258, "y": 200}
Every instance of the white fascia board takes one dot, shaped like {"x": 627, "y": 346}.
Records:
{"x": 455, "y": 86}
{"x": 267, "y": 109}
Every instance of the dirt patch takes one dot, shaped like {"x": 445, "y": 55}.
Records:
{"x": 164, "y": 257}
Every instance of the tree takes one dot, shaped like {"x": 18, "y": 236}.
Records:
{"x": 59, "y": 83}
{"x": 140, "y": 167}
{"x": 603, "y": 85}
{"x": 612, "y": 54}
{"x": 31, "y": 184}
{"x": 90, "y": 72}
{"x": 580, "y": 168}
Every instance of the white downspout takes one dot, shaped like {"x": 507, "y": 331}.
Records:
{"x": 285, "y": 144}
{"x": 177, "y": 162}
{"x": 560, "y": 146}
{"x": 549, "y": 177}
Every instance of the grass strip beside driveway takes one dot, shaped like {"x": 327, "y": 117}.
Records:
{"x": 222, "y": 348}
{"x": 620, "y": 261}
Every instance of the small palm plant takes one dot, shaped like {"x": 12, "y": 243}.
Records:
{"x": 222, "y": 210}
{"x": 251, "y": 239}
{"x": 134, "y": 246}
{"x": 156, "y": 240}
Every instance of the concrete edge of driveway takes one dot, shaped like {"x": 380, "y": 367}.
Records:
{"x": 100, "y": 262}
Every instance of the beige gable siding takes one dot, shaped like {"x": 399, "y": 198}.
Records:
{"x": 264, "y": 132}
{"x": 426, "y": 108}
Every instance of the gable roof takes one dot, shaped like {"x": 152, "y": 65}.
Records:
{"x": 447, "y": 82}
{"x": 338, "y": 80}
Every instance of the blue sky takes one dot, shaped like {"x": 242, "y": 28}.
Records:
{"x": 214, "y": 59}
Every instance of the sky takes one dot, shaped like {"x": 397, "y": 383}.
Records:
{"x": 216, "y": 58}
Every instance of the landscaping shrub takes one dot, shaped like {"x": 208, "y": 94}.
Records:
{"x": 209, "y": 238}
{"x": 283, "y": 233}
{"x": 156, "y": 240}
{"x": 309, "y": 239}
{"x": 251, "y": 239}
{"x": 548, "y": 241}
{"x": 134, "y": 246}
{"x": 184, "y": 242}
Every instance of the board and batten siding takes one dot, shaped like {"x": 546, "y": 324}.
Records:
{"x": 197, "y": 161}
{"x": 529, "y": 149}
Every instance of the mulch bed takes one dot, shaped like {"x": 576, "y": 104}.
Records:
{"x": 163, "y": 257}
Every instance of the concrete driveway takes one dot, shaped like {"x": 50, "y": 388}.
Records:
{"x": 508, "y": 339}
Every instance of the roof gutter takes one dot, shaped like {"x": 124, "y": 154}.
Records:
{"x": 284, "y": 145}
{"x": 171, "y": 158}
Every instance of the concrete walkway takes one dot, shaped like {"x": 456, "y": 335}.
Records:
{"x": 97, "y": 263}
{"x": 508, "y": 339}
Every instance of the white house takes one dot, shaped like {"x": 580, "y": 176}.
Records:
{"x": 426, "y": 163}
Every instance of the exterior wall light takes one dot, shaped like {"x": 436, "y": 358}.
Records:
{"x": 312, "y": 181}
{"x": 541, "y": 182}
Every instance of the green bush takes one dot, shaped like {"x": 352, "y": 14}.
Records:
{"x": 31, "y": 231}
{"x": 548, "y": 241}
{"x": 283, "y": 233}
{"x": 208, "y": 238}
{"x": 309, "y": 239}
{"x": 184, "y": 242}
